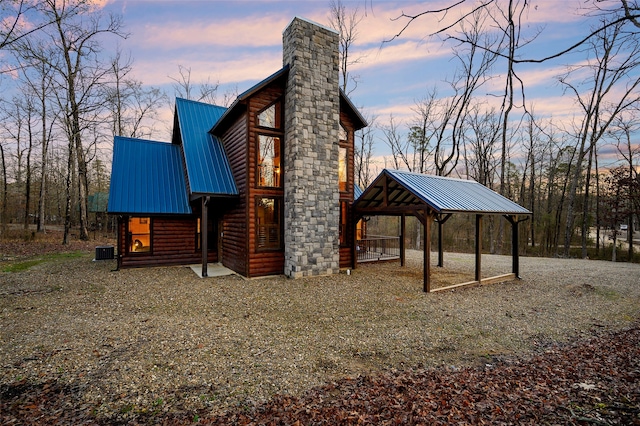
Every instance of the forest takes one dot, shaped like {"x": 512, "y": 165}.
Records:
{"x": 65, "y": 95}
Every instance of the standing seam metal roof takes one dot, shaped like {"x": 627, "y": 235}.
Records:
{"x": 147, "y": 178}
{"x": 208, "y": 169}
{"x": 442, "y": 194}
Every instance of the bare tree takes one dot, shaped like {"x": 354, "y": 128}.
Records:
{"x": 346, "y": 23}
{"x": 363, "y": 152}
{"x": 37, "y": 74}
{"x": 624, "y": 12}
{"x": 472, "y": 74}
{"x": 481, "y": 145}
{"x": 625, "y": 125}
{"x": 185, "y": 88}
{"x": 133, "y": 107}
{"x": 399, "y": 145}
{"x": 77, "y": 35}
{"x": 13, "y": 15}
{"x": 616, "y": 57}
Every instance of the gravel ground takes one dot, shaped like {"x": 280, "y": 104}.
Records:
{"x": 162, "y": 339}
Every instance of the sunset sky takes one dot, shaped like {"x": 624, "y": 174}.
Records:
{"x": 238, "y": 43}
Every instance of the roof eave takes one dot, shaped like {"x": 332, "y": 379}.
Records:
{"x": 362, "y": 123}
{"x": 246, "y": 94}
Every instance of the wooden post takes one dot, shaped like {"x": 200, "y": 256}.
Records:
{"x": 515, "y": 257}
{"x": 478, "y": 247}
{"x": 203, "y": 235}
{"x": 402, "y": 247}
{"x": 441, "y": 220}
{"x": 354, "y": 240}
{"x": 427, "y": 252}
{"x": 440, "y": 251}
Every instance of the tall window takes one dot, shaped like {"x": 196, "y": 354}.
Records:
{"x": 269, "y": 141}
{"x": 139, "y": 236}
{"x": 268, "y": 223}
{"x": 269, "y": 161}
{"x": 342, "y": 159}
{"x": 342, "y": 169}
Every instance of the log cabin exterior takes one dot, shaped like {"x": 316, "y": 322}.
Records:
{"x": 264, "y": 187}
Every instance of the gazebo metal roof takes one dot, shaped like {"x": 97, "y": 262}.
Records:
{"x": 395, "y": 191}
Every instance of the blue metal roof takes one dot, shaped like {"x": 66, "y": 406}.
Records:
{"x": 147, "y": 178}
{"x": 208, "y": 169}
{"x": 442, "y": 194}
{"x": 357, "y": 192}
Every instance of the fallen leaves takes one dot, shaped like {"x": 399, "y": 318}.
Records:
{"x": 595, "y": 381}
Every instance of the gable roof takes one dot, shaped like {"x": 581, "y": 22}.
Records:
{"x": 238, "y": 104}
{"x": 345, "y": 103}
{"x": 394, "y": 190}
{"x": 147, "y": 178}
{"x": 208, "y": 170}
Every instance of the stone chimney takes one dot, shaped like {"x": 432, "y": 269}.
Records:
{"x": 312, "y": 117}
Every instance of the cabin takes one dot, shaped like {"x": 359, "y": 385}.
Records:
{"x": 264, "y": 187}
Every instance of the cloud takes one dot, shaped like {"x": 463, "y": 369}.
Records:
{"x": 245, "y": 32}
{"x": 226, "y": 70}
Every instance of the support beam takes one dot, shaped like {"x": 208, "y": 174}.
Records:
{"x": 515, "y": 256}
{"x": 354, "y": 242}
{"x": 441, "y": 220}
{"x": 478, "y": 276}
{"x": 402, "y": 234}
{"x": 427, "y": 251}
{"x": 204, "y": 224}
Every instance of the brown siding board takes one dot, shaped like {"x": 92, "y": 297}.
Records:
{"x": 234, "y": 220}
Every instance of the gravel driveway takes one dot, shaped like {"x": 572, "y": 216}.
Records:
{"x": 162, "y": 339}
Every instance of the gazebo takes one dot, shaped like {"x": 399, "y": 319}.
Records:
{"x": 436, "y": 198}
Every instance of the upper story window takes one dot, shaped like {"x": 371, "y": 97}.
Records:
{"x": 269, "y": 169}
{"x": 342, "y": 133}
{"x": 342, "y": 169}
{"x": 271, "y": 116}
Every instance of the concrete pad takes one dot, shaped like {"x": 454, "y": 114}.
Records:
{"x": 213, "y": 270}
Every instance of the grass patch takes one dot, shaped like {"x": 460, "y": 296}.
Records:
{"x": 23, "y": 265}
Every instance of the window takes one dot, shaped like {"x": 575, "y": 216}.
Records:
{"x": 270, "y": 117}
{"x": 342, "y": 169}
{"x": 269, "y": 161}
{"x": 139, "y": 235}
{"x": 342, "y": 134}
{"x": 268, "y": 233}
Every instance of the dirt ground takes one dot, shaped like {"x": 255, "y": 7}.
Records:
{"x": 156, "y": 342}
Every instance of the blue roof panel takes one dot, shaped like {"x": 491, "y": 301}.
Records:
{"x": 147, "y": 178}
{"x": 208, "y": 169}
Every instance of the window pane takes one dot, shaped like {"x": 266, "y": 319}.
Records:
{"x": 139, "y": 234}
{"x": 268, "y": 226}
{"x": 270, "y": 117}
{"x": 342, "y": 133}
{"x": 342, "y": 169}
{"x": 268, "y": 161}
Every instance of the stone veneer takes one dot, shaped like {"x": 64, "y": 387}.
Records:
{"x": 312, "y": 117}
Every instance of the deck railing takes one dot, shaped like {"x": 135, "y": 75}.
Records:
{"x": 377, "y": 247}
